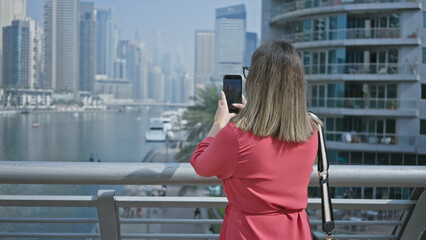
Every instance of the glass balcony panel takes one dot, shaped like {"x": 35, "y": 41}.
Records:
{"x": 364, "y": 103}
{"x": 357, "y": 68}
{"x": 320, "y": 34}
{"x": 370, "y": 138}
{"x": 307, "y": 4}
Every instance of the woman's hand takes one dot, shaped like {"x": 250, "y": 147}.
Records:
{"x": 239, "y": 105}
{"x": 222, "y": 116}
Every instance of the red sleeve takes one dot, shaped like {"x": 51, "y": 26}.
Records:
{"x": 217, "y": 156}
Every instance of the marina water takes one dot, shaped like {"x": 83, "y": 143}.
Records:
{"x": 62, "y": 137}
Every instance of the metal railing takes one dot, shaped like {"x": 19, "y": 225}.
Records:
{"x": 361, "y": 68}
{"x": 364, "y": 103}
{"x": 349, "y": 33}
{"x": 409, "y": 225}
{"x": 291, "y": 6}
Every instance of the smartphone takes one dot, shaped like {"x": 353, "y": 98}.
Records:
{"x": 233, "y": 89}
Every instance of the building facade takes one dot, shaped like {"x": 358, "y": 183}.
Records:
{"x": 204, "y": 57}
{"x": 9, "y": 10}
{"x": 230, "y": 36}
{"x": 87, "y": 46}
{"x": 364, "y": 78}
{"x": 156, "y": 84}
{"x": 106, "y": 42}
{"x": 134, "y": 56}
{"x": 251, "y": 46}
{"x": 16, "y": 55}
{"x": 61, "y": 20}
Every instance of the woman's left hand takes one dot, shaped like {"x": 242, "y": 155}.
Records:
{"x": 222, "y": 116}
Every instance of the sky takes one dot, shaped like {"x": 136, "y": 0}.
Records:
{"x": 177, "y": 19}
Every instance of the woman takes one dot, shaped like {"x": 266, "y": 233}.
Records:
{"x": 264, "y": 157}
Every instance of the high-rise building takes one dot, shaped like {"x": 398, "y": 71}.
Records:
{"x": 120, "y": 69}
{"x": 36, "y": 54}
{"x": 204, "y": 56}
{"x": 156, "y": 84}
{"x": 230, "y": 36}
{"x": 16, "y": 55}
{"x": 158, "y": 48}
{"x": 106, "y": 42}
{"x": 135, "y": 57}
{"x": 10, "y": 10}
{"x": 87, "y": 46}
{"x": 363, "y": 74}
{"x": 251, "y": 46}
{"x": 61, "y": 44}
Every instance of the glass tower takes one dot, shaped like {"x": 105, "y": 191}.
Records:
{"x": 16, "y": 54}
{"x": 230, "y": 37}
{"x": 87, "y": 46}
{"x": 105, "y": 42}
{"x": 61, "y": 44}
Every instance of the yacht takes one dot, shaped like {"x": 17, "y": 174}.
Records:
{"x": 156, "y": 132}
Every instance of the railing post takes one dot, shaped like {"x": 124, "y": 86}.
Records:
{"x": 417, "y": 220}
{"x": 109, "y": 224}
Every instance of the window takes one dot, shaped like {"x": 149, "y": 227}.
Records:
{"x": 423, "y": 91}
{"x": 369, "y": 158}
{"x": 409, "y": 159}
{"x": 422, "y": 160}
{"x": 424, "y": 19}
{"x": 396, "y": 159}
{"x": 423, "y": 55}
{"x": 423, "y": 126}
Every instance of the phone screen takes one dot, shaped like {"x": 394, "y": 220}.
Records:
{"x": 232, "y": 87}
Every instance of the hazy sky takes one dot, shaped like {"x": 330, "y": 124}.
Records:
{"x": 178, "y": 20}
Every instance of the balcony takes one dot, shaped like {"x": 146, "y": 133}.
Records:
{"x": 354, "y": 37}
{"x": 387, "y": 107}
{"x": 363, "y": 141}
{"x": 396, "y": 218}
{"x": 301, "y": 8}
{"x": 362, "y": 72}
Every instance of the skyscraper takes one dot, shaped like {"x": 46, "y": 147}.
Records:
{"x": 251, "y": 46}
{"x": 10, "y": 10}
{"x": 230, "y": 36}
{"x": 135, "y": 57}
{"x": 106, "y": 42}
{"x": 61, "y": 44}
{"x": 36, "y": 53}
{"x": 87, "y": 46}
{"x": 364, "y": 81}
{"x": 16, "y": 55}
{"x": 156, "y": 84}
{"x": 204, "y": 56}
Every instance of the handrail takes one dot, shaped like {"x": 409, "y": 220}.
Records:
{"x": 103, "y": 173}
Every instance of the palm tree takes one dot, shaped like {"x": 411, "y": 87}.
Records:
{"x": 200, "y": 118}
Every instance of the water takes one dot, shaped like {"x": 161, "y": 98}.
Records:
{"x": 61, "y": 137}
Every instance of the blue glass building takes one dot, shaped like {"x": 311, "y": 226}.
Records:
{"x": 16, "y": 54}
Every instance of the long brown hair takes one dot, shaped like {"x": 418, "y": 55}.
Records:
{"x": 276, "y": 93}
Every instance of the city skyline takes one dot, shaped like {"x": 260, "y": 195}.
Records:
{"x": 180, "y": 31}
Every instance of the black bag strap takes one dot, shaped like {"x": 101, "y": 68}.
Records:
{"x": 326, "y": 207}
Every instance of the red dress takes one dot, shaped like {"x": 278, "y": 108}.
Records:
{"x": 265, "y": 181}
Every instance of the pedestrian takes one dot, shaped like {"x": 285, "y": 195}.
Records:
{"x": 264, "y": 156}
{"x": 197, "y": 213}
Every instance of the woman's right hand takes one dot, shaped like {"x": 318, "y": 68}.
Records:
{"x": 241, "y": 105}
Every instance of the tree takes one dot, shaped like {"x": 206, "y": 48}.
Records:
{"x": 200, "y": 119}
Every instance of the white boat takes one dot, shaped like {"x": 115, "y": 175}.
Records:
{"x": 156, "y": 133}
